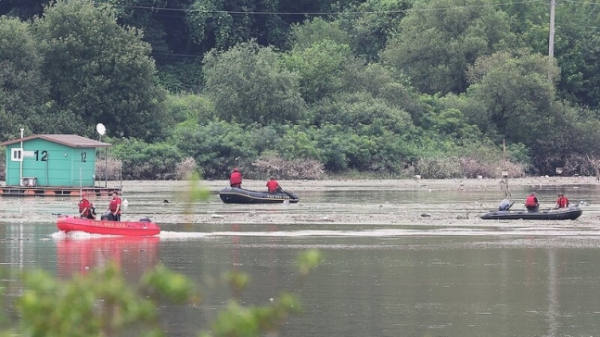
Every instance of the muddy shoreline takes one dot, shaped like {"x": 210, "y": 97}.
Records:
{"x": 346, "y": 185}
{"x": 30, "y": 209}
{"x": 351, "y": 184}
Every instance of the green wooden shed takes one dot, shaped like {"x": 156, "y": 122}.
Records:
{"x": 51, "y": 161}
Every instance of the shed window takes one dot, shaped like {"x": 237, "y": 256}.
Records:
{"x": 16, "y": 154}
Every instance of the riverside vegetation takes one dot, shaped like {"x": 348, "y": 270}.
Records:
{"x": 374, "y": 87}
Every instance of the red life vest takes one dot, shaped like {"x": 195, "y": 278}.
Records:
{"x": 84, "y": 204}
{"x": 113, "y": 205}
{"x": 562, "y": 202}
{"x": 272, "y": 185}
{"x": 531, "y": 201}
{"x": 235, "y": 178}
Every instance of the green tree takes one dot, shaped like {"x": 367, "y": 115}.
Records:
{"x": 218, "y": 146}
{"x": 195, "y": 109}
{"x": 371, "y": 24}
{"x": 454, "y": 124}
{"x": 515, "y": 95}
{"x": 178, "y": 58}
{"x": 248, "y": 84}
{"x": 383, "y": 83}
{"x": 224, "y": 23}
{"x": 310, "y": 32}
{"x": 156, "y": 160}
{"x": 300, "y": 143}
{"x": 575, "y": 138}
{"x": 22, "y": 89}
{"x": 529, "y": 21}
{"x": 439, "y": 39}
{"x": 180, "y": 77}
{"x": 321, "y": 67}
{"x": 100, "y": 71}
{"x": 358, "y": 131}
{"x": 577, "y": 51}
{"x": 364, "y": 148}
{"x": 361, "y": 111}
{"x": 146, "y": 16}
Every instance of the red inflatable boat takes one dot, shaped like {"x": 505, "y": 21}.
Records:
{"x": 143, "y": 227}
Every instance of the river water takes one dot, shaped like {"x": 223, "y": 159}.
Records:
{"x": 396, "y": 262}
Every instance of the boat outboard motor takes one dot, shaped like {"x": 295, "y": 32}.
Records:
{"x": 145, "y": 219}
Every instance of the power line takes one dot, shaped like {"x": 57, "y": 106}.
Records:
{"x": 581, "y": 2}
{"x": 322, "y": 13}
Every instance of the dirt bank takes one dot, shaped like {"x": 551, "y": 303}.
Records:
{"x": 399, "y": 184}
{"x": 14, "y": 209}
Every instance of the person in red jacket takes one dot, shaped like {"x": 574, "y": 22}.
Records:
{"x": 273, "y": 186}
{"x": 86, "y": 208}
{"x": 114, "y": 208}
{"x": 235, "y": 179}
{"x": 562, "y": 201}
{"x": 531, "y": 203}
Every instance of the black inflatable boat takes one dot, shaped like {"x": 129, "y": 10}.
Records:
{"x": 234, "y": 195}
{"x": 570, "y": 213}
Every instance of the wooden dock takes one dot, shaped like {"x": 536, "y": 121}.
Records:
{"x": 41, "y": 191}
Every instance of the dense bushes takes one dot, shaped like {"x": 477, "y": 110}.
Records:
{"x": 348, "y": 133}
{"x": 147, "y": 161}
{"x": 298, "y": 152}
{"x": 219, "y": 146}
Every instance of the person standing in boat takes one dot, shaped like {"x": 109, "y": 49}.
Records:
{"x": 86, "y": 208}
{"x": 531, "y": 203}
{"x": 273, "y": 186}
{"x": 114, "y": 208}
{"x": 562, "y": 201}
{"x": 235, "y": 179}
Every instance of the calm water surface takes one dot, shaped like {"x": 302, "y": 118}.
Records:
{"x": 472, "y": 278}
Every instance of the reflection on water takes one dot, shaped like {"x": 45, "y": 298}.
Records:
{"x": 434, "y": 278}
{"x": 80, "y": 253}
{"x": 553, "y": 301}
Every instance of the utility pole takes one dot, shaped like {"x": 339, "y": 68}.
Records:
{"x": 551, "y": 38}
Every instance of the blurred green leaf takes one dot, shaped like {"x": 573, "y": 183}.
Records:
{"x": 309, "y": 260}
